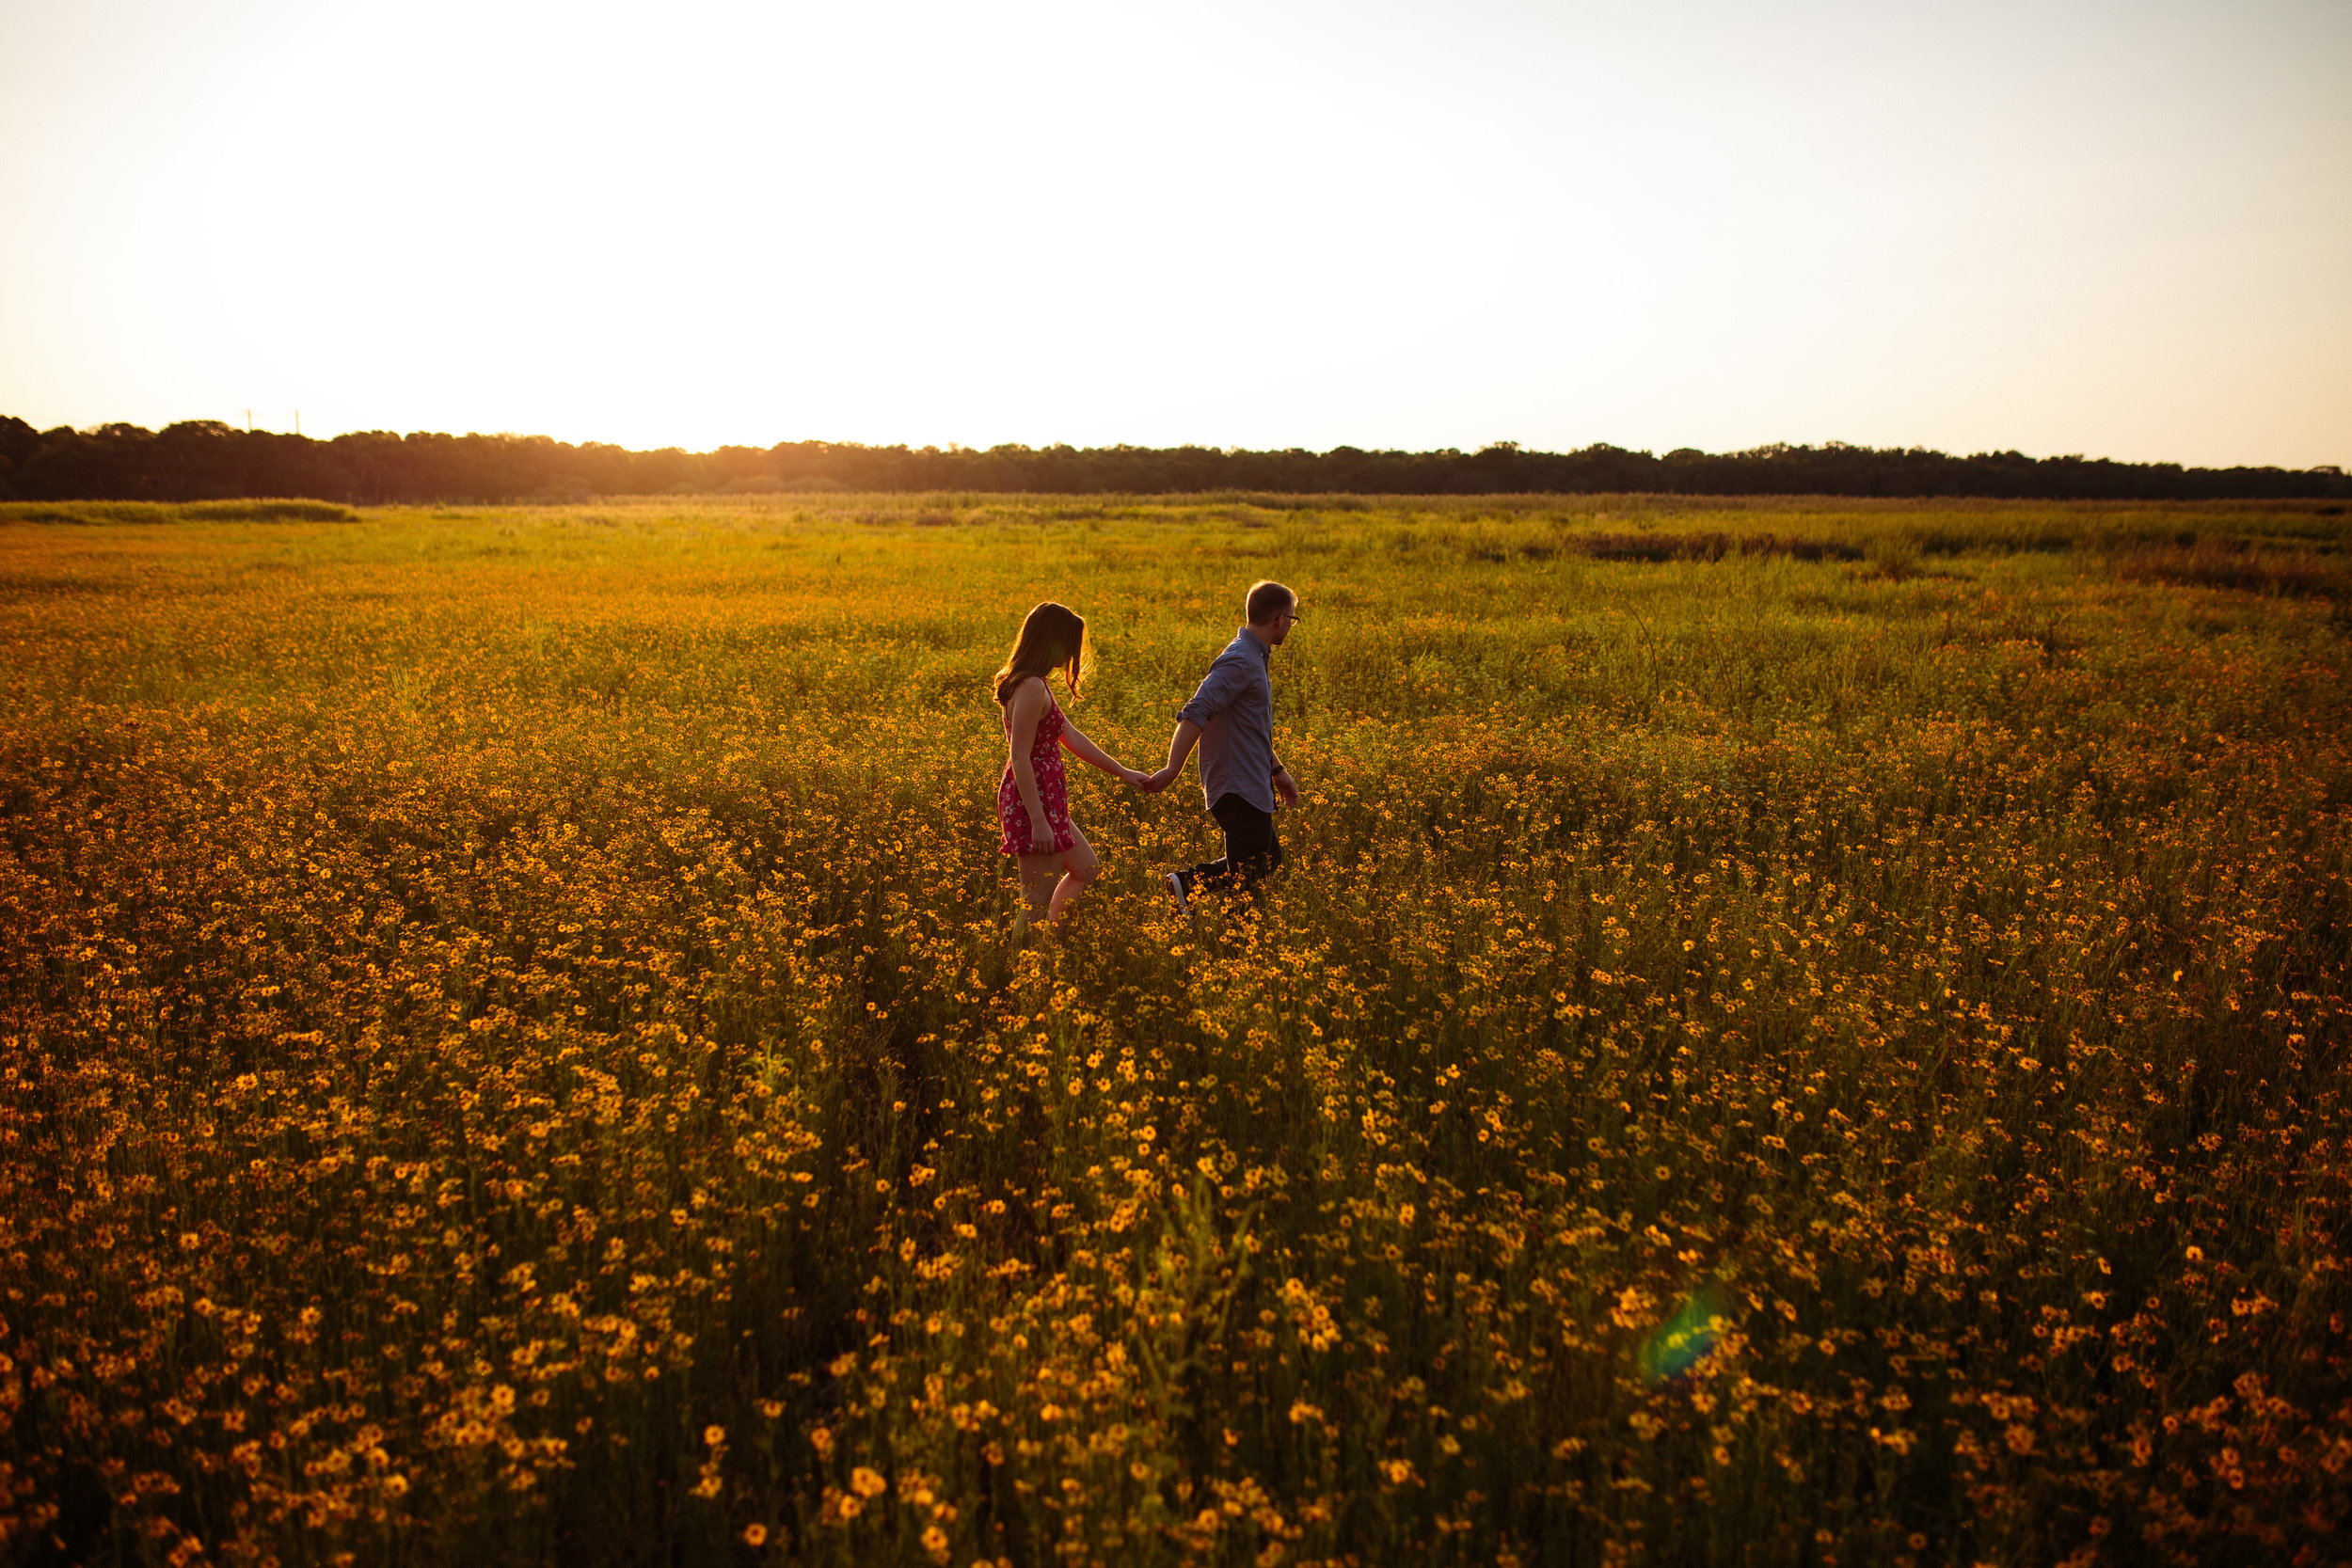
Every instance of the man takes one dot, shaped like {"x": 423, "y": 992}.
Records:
{"x": 1231, "y": 716}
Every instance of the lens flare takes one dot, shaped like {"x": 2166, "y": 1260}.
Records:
{"x": 1682, "y": 1340}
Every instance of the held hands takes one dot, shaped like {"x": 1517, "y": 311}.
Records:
{"x": 1150, "y": 783}
{"x": 1285, "y": 787}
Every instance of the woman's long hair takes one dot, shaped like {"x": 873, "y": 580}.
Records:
{"x": 1053, "y": 638}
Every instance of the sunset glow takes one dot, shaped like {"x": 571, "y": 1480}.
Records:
{"x": 2118, "y": 230}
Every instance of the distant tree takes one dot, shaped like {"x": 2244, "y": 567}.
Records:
{"x": 200, "y": 459}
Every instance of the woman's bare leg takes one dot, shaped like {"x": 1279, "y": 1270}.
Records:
{"x": 1050, "y": 882}
{"x": 1038, "y": 873}
{"x": 1079, "y": 868}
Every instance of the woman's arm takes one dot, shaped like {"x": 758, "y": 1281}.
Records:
{"x": 1027, "y": 708}
{"x": 1088, "y": 752}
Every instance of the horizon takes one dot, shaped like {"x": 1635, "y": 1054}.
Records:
{"x": 1765, "y": 449}
{"x": 2086, "y": 229}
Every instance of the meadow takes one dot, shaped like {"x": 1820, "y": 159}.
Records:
{"x": 1792, "y": 1032}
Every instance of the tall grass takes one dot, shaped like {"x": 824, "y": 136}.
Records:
{"x": 511, "y": 1048}
{"x": 176, "y": 512}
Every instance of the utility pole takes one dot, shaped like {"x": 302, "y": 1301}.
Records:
{"x": 297, "y": 421}
{"x": 249, "y": 422}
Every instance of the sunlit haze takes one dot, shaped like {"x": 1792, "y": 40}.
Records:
{"x": 2123, "y": 229}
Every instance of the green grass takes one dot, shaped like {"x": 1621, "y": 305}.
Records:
{"x": 176, "y": 512}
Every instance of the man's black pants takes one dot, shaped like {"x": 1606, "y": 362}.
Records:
{"x": 1251, "y": 851}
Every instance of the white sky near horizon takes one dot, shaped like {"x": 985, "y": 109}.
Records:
{"x": 2117, "y": 229}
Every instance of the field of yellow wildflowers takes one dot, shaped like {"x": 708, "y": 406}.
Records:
{"x": 1792, "y": 1033}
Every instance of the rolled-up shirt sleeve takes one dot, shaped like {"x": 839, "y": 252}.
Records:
{"x": 1216, "y": 690}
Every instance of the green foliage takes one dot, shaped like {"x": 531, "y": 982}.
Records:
{"x": 176, "y": 512}
{"x": 205, "y": 458}
{"x": 1792, "y": 1032}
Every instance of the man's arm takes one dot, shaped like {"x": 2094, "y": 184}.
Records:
{"x": 1285, "y": 787}
{"x": 1215, "y": 693}
{"x": 1178, "y": 747}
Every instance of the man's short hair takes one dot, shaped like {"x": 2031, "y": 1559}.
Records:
{"x": 1266, "y": 600}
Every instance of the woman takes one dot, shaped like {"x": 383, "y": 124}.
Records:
{"x": 1033, "y": 799}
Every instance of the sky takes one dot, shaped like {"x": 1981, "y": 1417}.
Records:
{"x": 2121, "y": 229}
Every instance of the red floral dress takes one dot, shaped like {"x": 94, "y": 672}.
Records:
{"x": 1053, "y": 789}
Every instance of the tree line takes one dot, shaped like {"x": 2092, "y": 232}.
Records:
{"x": 207, "y": 460}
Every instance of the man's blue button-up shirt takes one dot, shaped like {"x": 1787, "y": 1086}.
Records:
{"x": 1235, "y": 708}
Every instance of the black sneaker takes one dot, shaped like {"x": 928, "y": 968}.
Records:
{"x": 1180, "y": 886}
